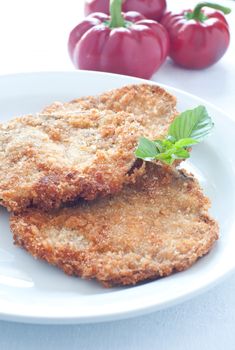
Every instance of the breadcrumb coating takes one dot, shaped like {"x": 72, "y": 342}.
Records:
{"x": 61, "y": 154}
{"x": 47, "y": 160}
{"x": 151, "y": 229}
{"x": 152, "y": 105}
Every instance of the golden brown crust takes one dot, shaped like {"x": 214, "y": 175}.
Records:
{"x": 152, "y": 105}
{"x": 152, "y": 228}
{"x": 59, "y": 155}
{"x": 47, "y": 160}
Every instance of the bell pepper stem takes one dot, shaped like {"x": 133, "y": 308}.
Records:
{"x": 196, "y": 14}
{"x": 117, "y": 19}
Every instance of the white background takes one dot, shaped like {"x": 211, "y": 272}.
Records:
{"x": 33, "y": 37}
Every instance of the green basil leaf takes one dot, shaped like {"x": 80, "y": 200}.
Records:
{"x": 167, "y": 144}
{"x": 171, "y": 138}
{"x": 187, "y": 129}
{"x": 195, "y": 124}
{"x": 163, "y": 145}
{"x": 164, "y": 158}
{"x": 185, "y": 143}
{"x": 159, "y": 145}
{"x": 181, "y": 154}
{"x": 174, "y": 153}
{"x": 146, "y": 149}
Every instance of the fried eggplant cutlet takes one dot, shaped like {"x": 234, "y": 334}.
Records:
{"x": 49, "y": 159}
{"x": 152, "y": 228}
{"x": 151, "y": 101}
{"x": 52, "y": 158}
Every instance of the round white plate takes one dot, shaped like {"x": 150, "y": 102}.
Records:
{"x": 32, "y": 291}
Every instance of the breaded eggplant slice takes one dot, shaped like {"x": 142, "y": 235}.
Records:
{"x": 152, "y": 102}
{"x": 47, "y": 160}
{"x": 151, "y": 229}
{"x": 59, "y": 155}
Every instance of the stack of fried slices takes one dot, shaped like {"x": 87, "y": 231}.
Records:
{"x": 82, "y": 201}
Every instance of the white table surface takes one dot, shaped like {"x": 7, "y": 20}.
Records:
{"x": 33, "y": 36}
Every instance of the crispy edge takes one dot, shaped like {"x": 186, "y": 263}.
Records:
{"x": 128, "y": 91}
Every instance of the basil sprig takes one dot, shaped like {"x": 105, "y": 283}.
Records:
{"x": 187, "y": 129}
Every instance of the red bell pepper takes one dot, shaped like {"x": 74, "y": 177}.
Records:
{"x": 199, "y": 37}
{"x": 152, "y": 9}
{"x": 121, "y": 43}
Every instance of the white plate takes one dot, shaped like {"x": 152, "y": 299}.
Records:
{"x": 32, "y": 291}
